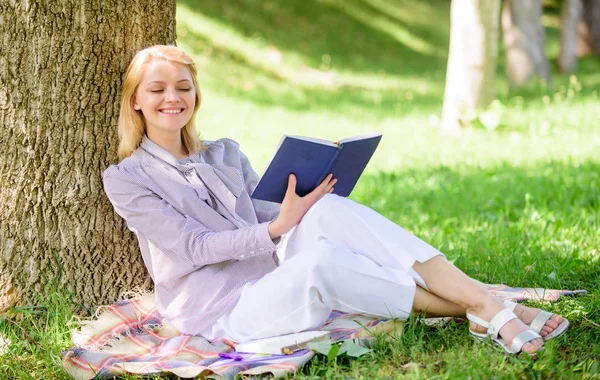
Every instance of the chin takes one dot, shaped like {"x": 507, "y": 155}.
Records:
{"x": 176, "y": 128}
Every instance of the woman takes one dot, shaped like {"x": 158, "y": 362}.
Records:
{"x": 224, "y": 264}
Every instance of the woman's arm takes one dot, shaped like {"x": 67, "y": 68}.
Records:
{"x": 170, "y": 230}
{"x": 294, "y": 206}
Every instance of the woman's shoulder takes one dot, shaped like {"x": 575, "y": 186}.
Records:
{"x": 223, "y": 143}
{"x": 128, "y": 167}
{"x": 222, "y": 151}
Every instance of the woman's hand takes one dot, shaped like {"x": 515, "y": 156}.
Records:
{"x": 294, "y": 207}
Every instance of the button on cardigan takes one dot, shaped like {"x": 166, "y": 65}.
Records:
{"x": 201, "y": 236}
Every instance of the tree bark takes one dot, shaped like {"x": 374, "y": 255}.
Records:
{"x": 472, "y": 60}
{"x": 589, "y": 29}
{"x": 524, "y": 40}
{"x": 61, "y": 71}
{"x": 570, "y": 15}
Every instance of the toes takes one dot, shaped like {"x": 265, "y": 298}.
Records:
{"x": 556, "y": 319}
{"x": 551, "y": 324}
{"x": 533, "y": 346}
{"x": 477, "y": 328}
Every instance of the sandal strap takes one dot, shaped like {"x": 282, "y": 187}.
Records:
{"x": 498, "y": 321}
{"x": 510, "y": 305}
{"x": 479, "y": 321}
{"x": 540, "y": 321}
{"x": 522, "y": 338}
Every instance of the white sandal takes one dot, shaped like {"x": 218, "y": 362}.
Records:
{"x": 540, "y": 321}
{"x": 493, "y": 328}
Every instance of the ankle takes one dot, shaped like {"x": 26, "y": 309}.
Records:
{"x": 485, "y": 307}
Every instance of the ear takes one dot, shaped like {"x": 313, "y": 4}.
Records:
{"x": 135, "y": 104}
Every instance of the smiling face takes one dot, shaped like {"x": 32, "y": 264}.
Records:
{"x": 166, "y": 97}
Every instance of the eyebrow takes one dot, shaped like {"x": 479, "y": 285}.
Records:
{"x": 160, "y": 82}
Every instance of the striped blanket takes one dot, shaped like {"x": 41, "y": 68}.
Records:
{"x": 131, "y": 337}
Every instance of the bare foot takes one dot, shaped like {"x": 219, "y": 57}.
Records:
{"x": 527, "y": 314}
{"x": 509, "y": 331}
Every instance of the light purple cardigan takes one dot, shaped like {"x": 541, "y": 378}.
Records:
{"x": 201, "y": 236}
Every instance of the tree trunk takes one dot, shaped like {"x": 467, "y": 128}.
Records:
{"x": 589, "y": 29}
{"x": 61, "y": 70}
{"x": 472, "y": 59}
{"x": 524, "y": 40}
{"x": 570, "y": 14}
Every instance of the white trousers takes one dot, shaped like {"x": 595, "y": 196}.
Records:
{"x": 342, "y": 256}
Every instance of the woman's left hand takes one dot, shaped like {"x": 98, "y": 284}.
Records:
{"x": 294, "y": 206}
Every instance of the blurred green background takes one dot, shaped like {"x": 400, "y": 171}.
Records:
{"x": 334, "y": 69}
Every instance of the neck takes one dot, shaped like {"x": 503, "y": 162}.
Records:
{"x": 170, "y": 142}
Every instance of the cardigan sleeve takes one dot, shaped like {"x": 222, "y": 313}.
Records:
{"x": 171, "y": 231}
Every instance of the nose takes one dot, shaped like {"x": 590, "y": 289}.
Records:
{"x": 171, "y": 95}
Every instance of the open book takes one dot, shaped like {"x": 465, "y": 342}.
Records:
{"x": 284, "y": 344}
{"x": 310, "y": 160}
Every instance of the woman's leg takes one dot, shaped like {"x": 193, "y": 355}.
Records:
{"x": 301, "y": 293}
{"x": 434, "y": 306}
{"x": 449, "y": 283}
{"x": 366, "y": 232}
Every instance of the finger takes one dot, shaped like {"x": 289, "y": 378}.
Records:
{"x": 291, "y": 189}
{"x": 330, "y": 184}
{"x": 318, "y": 191}
{"x": 324, "y": 187}
{"x": 326, "y": 181}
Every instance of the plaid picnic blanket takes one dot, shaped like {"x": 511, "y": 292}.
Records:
{"x": 130, "y": 336}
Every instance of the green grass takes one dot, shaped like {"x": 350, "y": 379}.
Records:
{"x": 33, "y": 337}
{"x": 517, "y": 205}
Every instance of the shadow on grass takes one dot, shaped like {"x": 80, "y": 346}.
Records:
{"x": 385, "y": 57}
{"x": 534, "y": 226}
{"x": 252, "y": 82}
{"x": 314, "y": 28}
{"x": 370, "y": 38}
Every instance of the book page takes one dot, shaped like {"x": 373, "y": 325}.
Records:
{"x": 359, "y": 137}
{"x": 304, "y": 138}
{"x": 328, "y": 142}
{"x": 313, "y": 139}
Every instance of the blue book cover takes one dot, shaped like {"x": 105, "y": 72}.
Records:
{"x": 310, "y": 160}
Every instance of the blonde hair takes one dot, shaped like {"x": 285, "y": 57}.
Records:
{"x": 131, "y": 122}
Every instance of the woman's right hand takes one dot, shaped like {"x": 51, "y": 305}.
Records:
{"x": 294, "y": 207}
